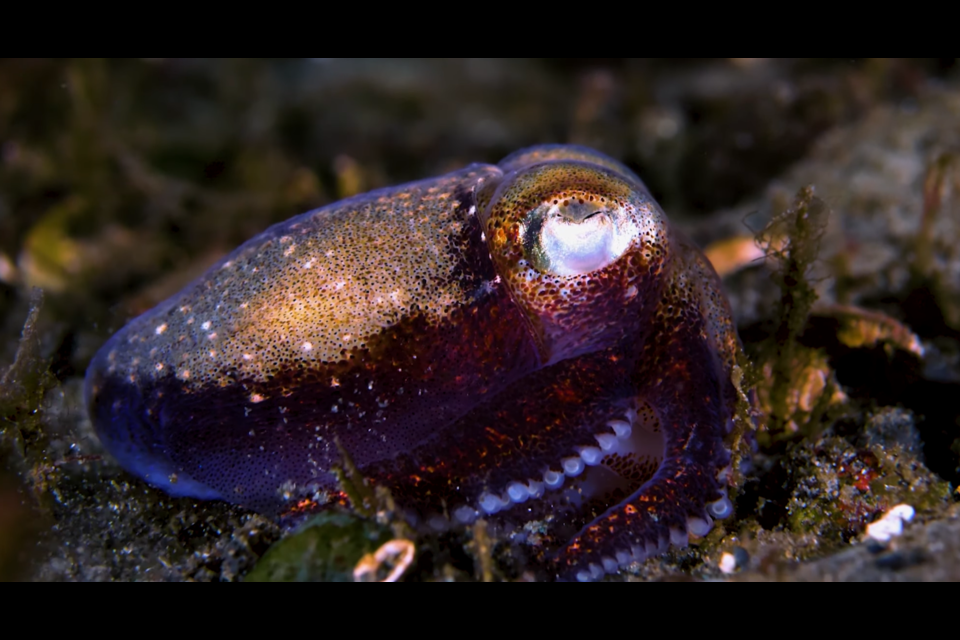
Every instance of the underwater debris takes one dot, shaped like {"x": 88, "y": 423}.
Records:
{"x": 22, "y": 379}
{"x": 812, "y": 390}
{"x": 890, "y": 524}
{"x": 22, "y": 388}
{"x": 353, "y": 483}
{"x": 739, "y": 252}
{"x": 860, "y": 327}
{"x": 941, "y": 174}
{"x": 393, "y": 558}
{"x": 482, "y": 548}
{"x": 733, "y": 561}
{"x": 366, "y": 541}
{"x": 837, "y": 487}
{"x": 800, "y": 386}
{"x": 933, "y": 253}
{"x": 747, "y": 417}
{"x": 326, "y": 548}
{"x": 728, "y": 564}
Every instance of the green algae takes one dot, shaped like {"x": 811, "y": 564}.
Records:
{"x": 326, "y": 548}
{"x": 837, "y": 489}
{"x": 800, "y": 388}
{"x": 747, "y": 416}
{"x": 22, "y": 388}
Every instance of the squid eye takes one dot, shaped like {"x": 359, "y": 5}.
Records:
{"x": 573, "y": 237}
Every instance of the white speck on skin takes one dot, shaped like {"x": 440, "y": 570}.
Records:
{"x": 205, "y": 326}
{"x": 159, "y": 330}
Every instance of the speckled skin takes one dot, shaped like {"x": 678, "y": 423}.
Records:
{"x": 427, "y": 328}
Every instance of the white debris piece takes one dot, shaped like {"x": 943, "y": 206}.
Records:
{"x": 728, "y": 563}
{"x": 890, "y": 525}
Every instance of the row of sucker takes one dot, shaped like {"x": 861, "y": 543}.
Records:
{"x": 696, "y": 526}
{"x": 631, "y": 442}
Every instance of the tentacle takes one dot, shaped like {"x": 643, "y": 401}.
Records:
{"x": 684, "y": 374}
{"x": 561, "y": 428}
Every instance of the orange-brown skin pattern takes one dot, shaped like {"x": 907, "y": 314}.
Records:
{"x": 523, "y": 339}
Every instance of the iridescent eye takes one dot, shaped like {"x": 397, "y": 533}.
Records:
{"x": 576, "y": 235}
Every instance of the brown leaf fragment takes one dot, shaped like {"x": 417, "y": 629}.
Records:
{"x": 859, "y": 327}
